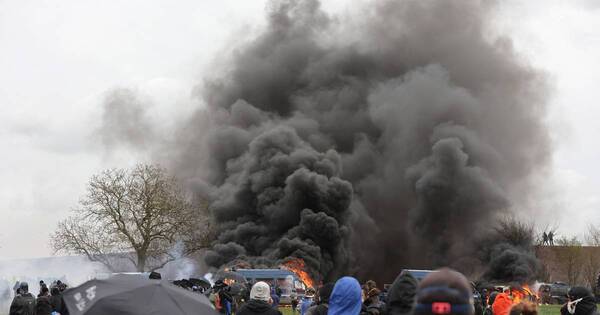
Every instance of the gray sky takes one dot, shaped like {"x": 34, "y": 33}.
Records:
{"x": 58, "y": 59}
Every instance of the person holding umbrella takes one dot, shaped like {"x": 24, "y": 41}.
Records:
{"x": 132, "y": 295}
{"x": 260, "y": 301}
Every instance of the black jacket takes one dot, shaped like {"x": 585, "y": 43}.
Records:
{"x": 56, "y": 303}
{"x": 42, "y": 306}
{"x": 257, "y": 307}
{"x": 319, "y": 309}
{"x": 374, "y": 308}
{"x": 587, "y": 306}
{"x": 23, "y": 304}
{"x": 401, "y": 295}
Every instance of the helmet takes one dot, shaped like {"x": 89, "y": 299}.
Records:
{"x": 24, "y": 287}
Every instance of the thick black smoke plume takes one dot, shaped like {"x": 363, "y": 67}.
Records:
{"x": 507, "y": 252}
{"x": 365, "y": 143}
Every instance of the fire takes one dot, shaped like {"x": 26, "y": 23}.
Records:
{"x": 297, "y": 266}
{"x": 523, "y": 293}
{"x": 228, "y": 281}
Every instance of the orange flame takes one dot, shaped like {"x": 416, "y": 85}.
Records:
{"x": 297, "y": 266}
{"x": 523, "y": 293}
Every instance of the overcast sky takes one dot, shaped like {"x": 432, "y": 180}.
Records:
{"x": 58, "y": 59}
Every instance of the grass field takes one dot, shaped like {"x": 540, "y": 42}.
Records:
{"x": 288, "y": 310}
{"x": 549, "y": 309}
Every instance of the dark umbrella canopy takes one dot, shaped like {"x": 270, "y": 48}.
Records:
{"x": 132, "y": 296}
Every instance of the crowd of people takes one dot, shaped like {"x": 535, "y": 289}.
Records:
{"x": 445, "y": 292}
{"x": 49, "y": 300}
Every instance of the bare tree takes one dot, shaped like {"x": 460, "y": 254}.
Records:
{"x": 515, "y": 232}
{"x": 592, "y": 235}
{"x": 569, "y": 255}
{"x": 141, "y": 214}
{"x": 592, "y": 256}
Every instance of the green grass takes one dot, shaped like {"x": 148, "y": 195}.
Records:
{"x": 288, "y": 311}
{"x": 549, "y": 309}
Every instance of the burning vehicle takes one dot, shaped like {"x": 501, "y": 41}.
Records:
{"x": 514, "y": 293}
{"x": 288, "y": 281}
{"x": 284, "y": 282}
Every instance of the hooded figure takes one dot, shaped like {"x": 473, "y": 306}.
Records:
{"x": 401, "y": 295}
{"x": 56, "y": 300}
{"x": 444, "y": 292}
{"x": 24, "y": 303}
{"x": 323, "y": 303}
{"x": 260, "y": 301}
{"x": 223, "y": 304}
{"x": 490, "y": 302}
{"x": 372, "y": 304}
{"x": 42, "y": 305}
{"x": 345, "y": 298}
{"x": 581, "y": 302}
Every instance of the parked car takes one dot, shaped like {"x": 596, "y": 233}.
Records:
{"x": 559, "y": 292}
{"x": 553, "y": 293}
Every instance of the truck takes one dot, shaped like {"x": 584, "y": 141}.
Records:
{"x": 287, "y": 282}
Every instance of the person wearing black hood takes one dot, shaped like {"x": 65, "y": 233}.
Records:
{"x": 323, "y": 302}
{"x": 444, "y": 291}
{"x": 42, "y": 305}
{"x": 581, "y": 302}
{"x": 221, "y": 289}
{"x": 488, "y": 309}
{"x": 260, "y": 301}
{"x": 56, "y": 299}
{"x": 401, "y": 295}
{"x": 23, "y": 303}
{"x": 372, "y": 305}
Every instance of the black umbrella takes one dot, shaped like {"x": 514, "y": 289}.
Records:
{"x": 132, "y": 296}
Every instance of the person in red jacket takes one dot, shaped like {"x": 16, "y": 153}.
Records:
{"x": 502, "y": 304}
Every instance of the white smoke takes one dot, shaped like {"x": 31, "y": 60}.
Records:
{"x": 72, "y": 270}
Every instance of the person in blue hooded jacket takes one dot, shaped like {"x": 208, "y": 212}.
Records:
{"x": 345, "y": 298}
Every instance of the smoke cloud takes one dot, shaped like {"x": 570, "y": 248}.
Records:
{"x": 124, "y": 122}
{"x": 364, "y": 143}
{"x": 507, "y": 252}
